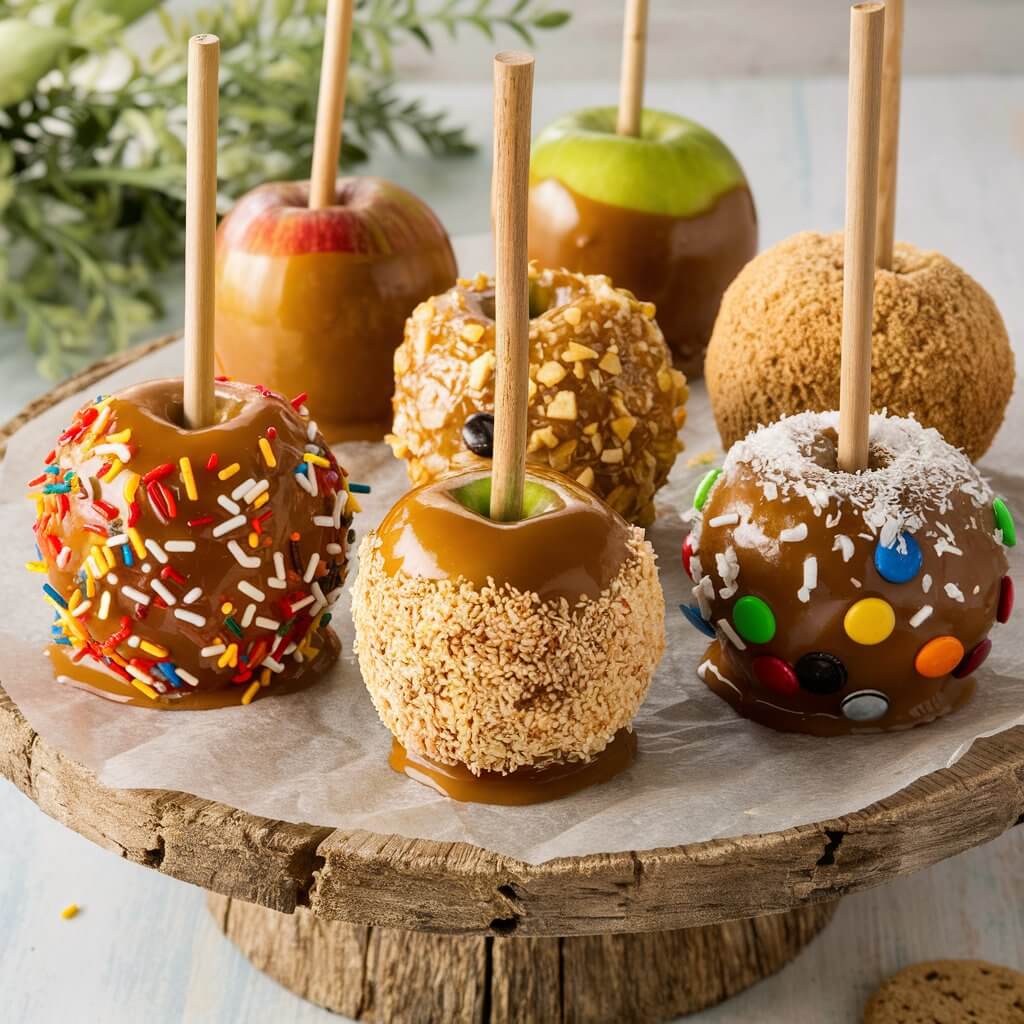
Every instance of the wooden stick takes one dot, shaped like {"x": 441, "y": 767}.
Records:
{"x": 890, "y": 133}
{"x": 513, "y": 96}
{"x": 330, "y": 104}
{"x": 200, "y": 228}
{"x": 631, "y": 76}
{"x": 867, "y": 26}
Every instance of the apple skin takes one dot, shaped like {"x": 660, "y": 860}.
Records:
{"x": 316, "y": 300}
{"x": 667, "y": 214}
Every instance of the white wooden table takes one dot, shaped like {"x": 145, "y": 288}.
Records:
{"x": 143, "y": 947}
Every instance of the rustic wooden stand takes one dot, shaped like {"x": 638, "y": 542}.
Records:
{"x": 383, "y": 928}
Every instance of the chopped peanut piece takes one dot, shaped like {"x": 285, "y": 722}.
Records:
{"x": 664, "y": 379}
{"x": 575, "y": 352}
{"x": 550, "y": 374}
{"x": 589, "y": 429}
{"x": 562, "y": 406}
{"x": 480, "y": 370}
{"x": 472, "y": 333}
{"x": 562, "y": 455}
{"x": 611, "y": 455}
{"x": 623, "y": 426}
{"x": 573, "y": 315}
{"x": 543, "y": 437}
{"x": 586, "y": 477}
{"x": 648, "y": 309}
{"x": 610, "y": 363}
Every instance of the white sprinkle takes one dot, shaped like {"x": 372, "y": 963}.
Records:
{"x": 323, "y": 521}
{"x": 943, "y": 547}
{"x": 856, "y": 582}
{"x": 311, "y": 430}
{"x": 112, "y": 579}
{"x": 228, "y": 505}
{"x": 139, "y": 673}
{"x": 146, "y": 568}
{"x": 104, "y": 608}
{"x": 273, "y": 664}
{"x": 64, "y": 557}
{"x": 843, "y": 544}
{"x": 926, "y": 583}
{"x": 335, "y": 549}
{"x": 134, "y": 641}
{"x": 211, "y": 652}
{"x": 321, "y": 601}
{"x": 728, "y": 567}
{"x": 729, "y": 519}
{"x": 303, "y": 482}
{"x": 725, "y": 626}
{"x": 920, "y": 615}
{"x": 180, "y": 545}
{"x": 187, "y": 676}
{"x": 832, "y": 520}
{"x": 340, "y": 501}
{"x": 243, "y": 488}
{"x": 977, "y": 589}
{"x": 156, "y": 551}
{"x": 794, "y": 534}
{"x": 135, "y": 595}
{"x": 770, "y": 490}
{"x": 277, "y": 584}
{"x": 254, "y": 492}
{"x": 279, "y": 565}
{"x": 953, "y": 591}
{"x": 250, "y": 591}
{"x": 247, "y": 615}
{"x": 228, "y": 525}
{"x": 117, "y": 540}
{"x": 94, "y": 568}
{"x": 313, "y": 449}
{"x": 810, "y": 578}
{"x": 299, "y": 605}
{"x": 244, "y": 560}
{"x": 264, "y": 623}
{"x": 81, "y": 609}
{"x": 163, "y": 592}
{"x": 304, "y": 411}
{"x": 190, "y": 617}
{"x": 314, "y": 561}
{"x": 120, "y": 451}
{"x": 334, "y": 595}
{"x": 193, "y": 595}
{"x": 313, "y": 480}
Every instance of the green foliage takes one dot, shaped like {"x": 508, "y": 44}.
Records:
{"x": 92, "y": 160}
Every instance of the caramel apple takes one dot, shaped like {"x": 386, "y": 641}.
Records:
{"x": 192, "y": 568}
{"x": 846, "y": 602}
{"x": 940, "y": 348}
{"x": 605, "y": 404}
{"x": 665, "y": 212}
{"x": 514, "y": 649}
{"x": 317, "y": 298}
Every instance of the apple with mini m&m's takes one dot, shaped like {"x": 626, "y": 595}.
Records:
{"x": 666, "y": 213}
{"x": 316, "y": 299}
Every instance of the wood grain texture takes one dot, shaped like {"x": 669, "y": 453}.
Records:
{"x": 889, "y": 133}
{"x": 867, "y": 26}
{"x": 634, "y": 63}
{"x": 455, "y": 888}
{"x": 330, "y": 104}
{"x": 387, "y": 974}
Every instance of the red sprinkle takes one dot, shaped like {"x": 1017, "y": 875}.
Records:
{"x": 51, "y": 458}
{"x": 168, "y": 572}
{"x": 92, "y": 528}
{"x": 156, "y": 499}
{"x": 65, "y": 506}
{"x": 272, "y": 433}
{"x": 133, "y": 513}
{"x": 39, "y": 479}
{"x": 299, "y": 399}
{"x": 158, "y": 473}
{"x": 105, "y": 509}
{"x": 102, "y": 471}
{"x": 201, "y": 521}
{"x": 212, "y": 462}
{"x": 168, "y": 495}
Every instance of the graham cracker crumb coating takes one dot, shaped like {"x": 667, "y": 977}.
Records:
{"x": 940, "y": 351}
{"x": 493, "y": 678}
{"x": 605, "y": 404}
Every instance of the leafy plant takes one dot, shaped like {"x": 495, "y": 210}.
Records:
{"x": 92, "y": 159}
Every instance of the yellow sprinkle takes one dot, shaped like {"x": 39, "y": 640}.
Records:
{"x": 131, "y": 485}
{"x": 90, "y": 583}
{"x": 317, "y": 460}
{"x": 254, "y": 540}
{"x": 229, "y": 657}
{"x": 261, "y": 500}
{"x": 145, "y": 688}
{"x": 97, "y": 557}
{"x": 70, "y": 911}
{"x": 108, "y": 555}
{"x": 353, "y": 504}
{"x": 115, "y": 468}
{"x": 104, "y": 609}
{"x": 155, "y": 649}
{"x": 75, "y": 600}
{"x": 268, "y": 453}
{"x": 187, "y": 478}
{"x": 137, "y": 545}
{"x": 265, "y": 677}
{"x": 227, "y": 608}
{"x": 228, "y": 471}
{"x": 121, "y": 437}
{"x": 35, "y": 566}
{"x": 250, "y": 693}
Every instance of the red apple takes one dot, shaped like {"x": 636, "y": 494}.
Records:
{"x": 316, "y": 300}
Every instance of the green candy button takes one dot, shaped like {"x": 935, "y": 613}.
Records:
{"x": 754, "y": 620}
{"x": 1004, "y": 522}
{"x": 704, "y": 488}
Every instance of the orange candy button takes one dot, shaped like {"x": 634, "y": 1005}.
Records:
{"x": 939, "y": 657}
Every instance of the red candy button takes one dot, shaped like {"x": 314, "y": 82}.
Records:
{"x": 1005, "y": 609}
{"x": 688, "y": 554}
{"x": 974, "y": 660}
{"x": 775, "y": 674}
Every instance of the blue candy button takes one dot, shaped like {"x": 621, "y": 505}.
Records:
{"x": 901, "y": 561}
{"x": 697, "y": 620}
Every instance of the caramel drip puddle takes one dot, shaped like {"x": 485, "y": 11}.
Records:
{"x": 523, "y": 786}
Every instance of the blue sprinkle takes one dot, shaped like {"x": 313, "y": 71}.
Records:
{"x": 359, "y": 488}
{"x": 901, "y": 561}
{"x": 47, "y": 589}
{"x": 63, "y": 640}
{"x": 56, "y": 488}
{"x": 697, "y": 620}
{"x": 52, "y": 470}
{"x": 39, "y": 554}
{"x": 302, "y": 467}
{"x": 129, "y": 558}
{"x": 167, "y": 670}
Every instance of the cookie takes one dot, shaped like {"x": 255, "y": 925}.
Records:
{"x": 949, "y": 992}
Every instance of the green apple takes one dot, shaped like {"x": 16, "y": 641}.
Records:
{"x": 667, "y": 214}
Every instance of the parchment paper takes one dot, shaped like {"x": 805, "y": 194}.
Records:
{"x": 321, "y": 756}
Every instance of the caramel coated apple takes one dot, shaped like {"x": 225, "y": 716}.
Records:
{"x": 316, "y": 300}
{"x": 500, "y": 647}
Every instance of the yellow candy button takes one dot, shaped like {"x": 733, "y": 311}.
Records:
{"x": 869, "y": 621}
